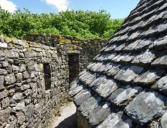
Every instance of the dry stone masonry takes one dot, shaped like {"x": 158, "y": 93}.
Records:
{"x": 125, "y": 85}
{"x": 26, "y": 100}
{"x": 84, "y": 50}
{"x": 34, "y": 79}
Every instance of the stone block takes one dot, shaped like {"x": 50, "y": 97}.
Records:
{"x": 5, "y": 102}
{"x": 115, "y": 120}
{"x": 123, "y": 95}
{"x": 3, "y": 94}
{"x": 82, "y": 96}
{"x": 18, "y": 96}
{"x": 164, "y": 121}
{"x": 19, "y": 77}
{"x": 128, "y": 73}
{"x": 20, "y": 117}
{"x": 104, "y": 86}
{"x": 19, "y": 106}
{"x": 4, "y": 115}
{"x": 3, "y": 72}
{"x": 2, "y": 79}
{"x": 148, "y": 77}
{"x": 146, "y": 106}
{"x": 26, "y": 75}
{"x": 161, "y": 85}
{"x": 99, "y": 114}
{"x": 22, "y": 67}
{"x": 10, "y": 79}
{"x": 3, "y": 45}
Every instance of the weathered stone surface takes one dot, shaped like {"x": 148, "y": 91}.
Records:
{"x": 164, "y": 121}
{"x": 15, "y": 68}
{"x": 5, "y": 102}
{"x": 148, "y": 77}
{"x": 75, "y": 90}
{"x": 161, "y": 61}
{"x": 134, "y": 56}
{"x": 123, "y": 95}
{"x": 2, "y": 79}
{"x": 26, "y": 75}
{"x": 82, "y": 96}
{"x": 28, "y": 87}
{"x": 3, "y": 72}
{"x": 128, "y": 73}
{"x": 3, "y": 94}
{"x": 4, "y": 115}
{"x": 113, "y": 71}
{"x": 146, "y": 57}
{"x": 99, "y": 114}
{"x": 159, "y": 43}
{"x": 146, "y": 106}
{"x": 18, "y": 96}
{"x": 19, "y": 106}
{"x": 22, "y": 67}
{"x": 104, "y": 86}
{"x": 12, "y": 54}
{"x": 5, "y": 64}
{"x": 20, "y": 117}
{"x": 3, "y": 45}
{"x": 10, "y": 79}
{"x": 87, "y": 77}
{"x": 25, "y": 87}
{"x": 115, "y": 120}
{"x": 161, "y": 85}
{"x": 19, "y": 77}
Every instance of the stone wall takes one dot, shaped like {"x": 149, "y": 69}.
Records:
{"x": 25, "y": 99}
{"x": 34, "y": 76}
{"x": 85, "y": 48}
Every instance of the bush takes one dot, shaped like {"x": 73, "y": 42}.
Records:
{"x": 82, "y": 24}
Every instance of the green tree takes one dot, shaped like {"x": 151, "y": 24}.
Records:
{"x": 82, "y": 24}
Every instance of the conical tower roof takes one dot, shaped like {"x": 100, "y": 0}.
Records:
{"x": 126, "y": 84}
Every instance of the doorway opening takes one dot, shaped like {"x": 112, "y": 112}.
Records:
{"x": 73, "y": 66}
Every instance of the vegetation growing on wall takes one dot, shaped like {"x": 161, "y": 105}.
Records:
{"x": 82, "y": 24}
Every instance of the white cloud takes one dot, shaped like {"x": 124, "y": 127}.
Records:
{"x": 8, "y": 5}
{"x": 61, "y": 5}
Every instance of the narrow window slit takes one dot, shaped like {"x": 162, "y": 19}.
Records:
{"x": 47, "y": 76}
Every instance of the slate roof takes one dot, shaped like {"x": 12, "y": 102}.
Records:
{"x": 126, "y": 84}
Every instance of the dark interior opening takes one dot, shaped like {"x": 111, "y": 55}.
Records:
{"x": 47, "y": 76}
{"x": 73, "y": 66}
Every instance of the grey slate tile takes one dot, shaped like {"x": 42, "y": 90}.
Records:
{"x": 120, "y": 47}
{"x": 161, "y": 61}
{"x": 99, "y": 114}
{"x": 115, "y": 120}
{"x": 87, "y": 78}
{"x": 164, "y": 121}
{"x": 128, "y": 73}
{"x": 161, "y": 85}
{"x": 147, "y": 106}
{"x": 88, "y": 105}
{"x": 127, "y": 57}
{"x": 148, "y": 77}
{"x": 123, "y": 95}
{"x": 145, "y": 57}
{"x": 83, "y": 95}
{"x": 74, "y": 91}
{"x": 104, "y": 86}
{"x": 114, "y": 70}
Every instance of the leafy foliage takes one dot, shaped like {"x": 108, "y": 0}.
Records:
{"x": 82, "y": 24}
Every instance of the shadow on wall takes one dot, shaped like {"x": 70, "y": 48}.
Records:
{"x": 70, "y": 122}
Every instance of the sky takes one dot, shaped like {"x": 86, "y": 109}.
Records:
{"x": 117, "y": 8}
